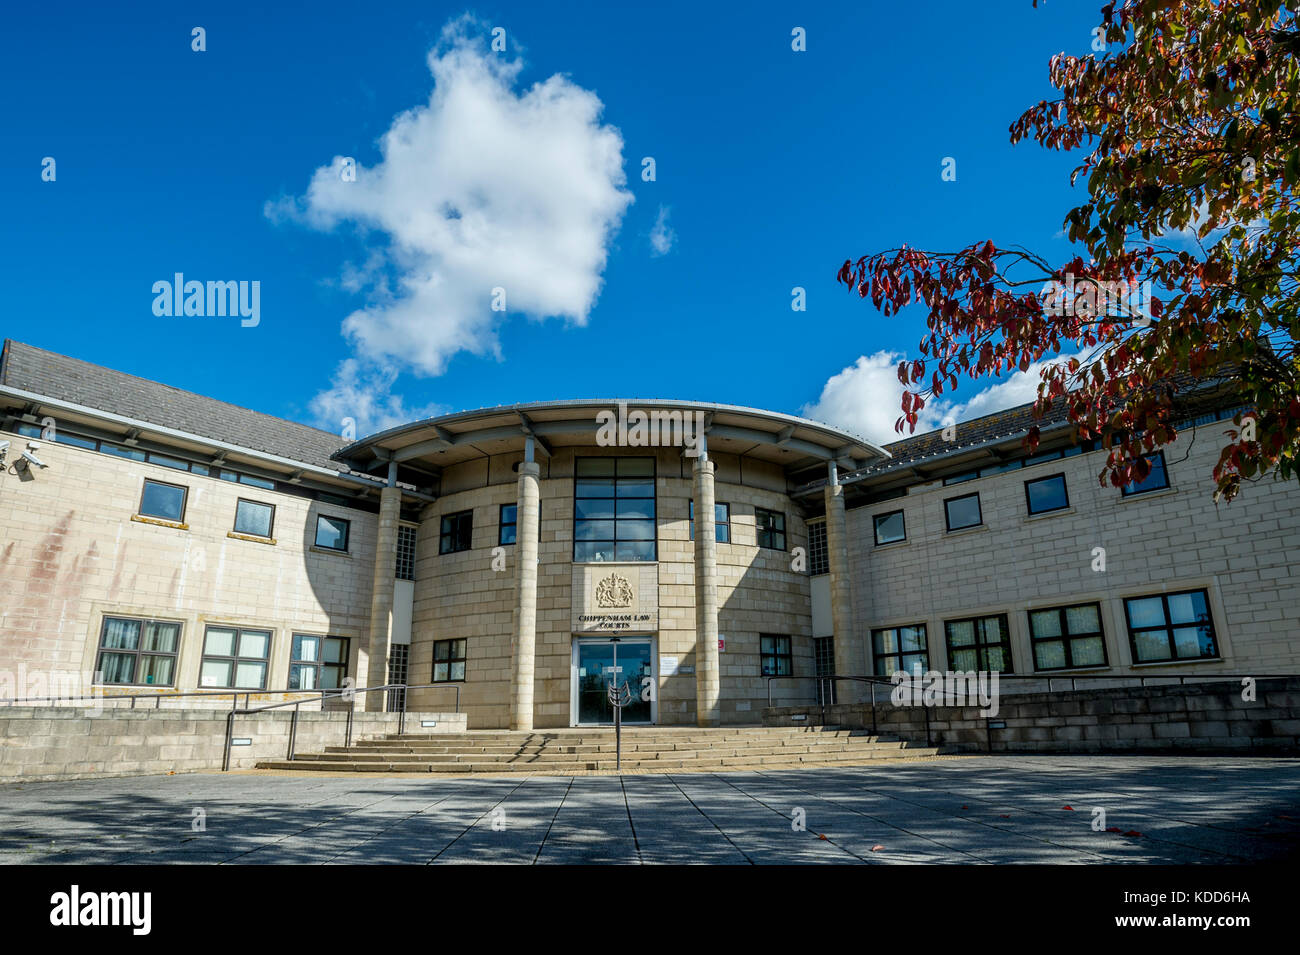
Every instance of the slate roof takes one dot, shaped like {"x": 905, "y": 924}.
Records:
{"x": 79, "y": 382}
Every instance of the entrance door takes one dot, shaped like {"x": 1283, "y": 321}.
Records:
{"x": 598, "y": 662}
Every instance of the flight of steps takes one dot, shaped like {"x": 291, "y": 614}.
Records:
{"x": 645, "y": 749}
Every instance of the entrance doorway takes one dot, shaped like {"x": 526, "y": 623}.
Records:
{"x": 597, "y": 661}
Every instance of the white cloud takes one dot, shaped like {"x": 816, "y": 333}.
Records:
{"x": 363, "y": 393}
{"x": 865, "y": 398}
{"x": 482, "y": 188}
{"x": 661, "y": 236}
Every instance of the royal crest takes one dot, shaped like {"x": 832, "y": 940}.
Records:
{"x": 614, "y": 591}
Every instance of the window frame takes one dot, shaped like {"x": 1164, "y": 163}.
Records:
{"x": 450, "y": 536}
{"x": 347, "y": 533}
{"x": 319, "y": 664}
{"x": 404, "y": 559}
{"x": 759, "y": 530}
{"x": 185, "y": 500}
{"x": 875, "y": 526}
{"x": 237, "y": 658}
{"x": 451, "y": 660}
{"x": 819, "y": 548}
{"x": 776, "y": 655}
{"x": 947, "y": 516}
{"x": 877, "y": 656}
{"x": 1029, "y": 502}
{"x": 138, "y": 652}
{"x": 723, "y": 526}
{"x": 616, "y": 540}
{"x": 1170, "y": 627}
{"x": 1164, "y": 470}
{"x": 981, "y": 646}
{"x": 502, "y": 524}
{"x": 270, "y": 532}
{"x": 1065, "y": 638}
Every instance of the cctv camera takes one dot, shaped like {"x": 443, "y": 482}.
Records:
{"x": 33, "y": 459}
{"x": 33, "y": 445}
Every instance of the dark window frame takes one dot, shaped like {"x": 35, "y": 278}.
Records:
{"x": 981, "y": 646}
{"x": 875, "y": 526}
{"x": 616, "y": 540}
{"x": 819, "y": 549}
{"x": 759, "y": 530}
{"x": 450, "y": 659}
{"x": 1065, "y": 638}
{"x": 347, "y": 533}
{"x": 453, "y": 538}
{"x": 404, "y": 562}
{"x": 776, "y": 655}
{"x": 723, "y": 526}
{"x": 100, "y": 649}
{"x": 1164, "y": 471}
{"x": 319, "y": 664}
{"x": 877, "y": 655}
{"x": 270, "y": 531}
{"x": 1029, "y": 503}
{"x": 1169, "y": 627}
{"x": 185, "y": 500}
{"x": 502, "y": 524}
{"x": 236, "y": 659}
{"x": 947, "y": 516}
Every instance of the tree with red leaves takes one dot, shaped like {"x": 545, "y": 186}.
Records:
{"x": 1193, "y": 117}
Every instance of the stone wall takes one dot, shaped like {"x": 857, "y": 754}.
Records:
{"x": 1210, "y": 717}
{"x": 68, "y": 743}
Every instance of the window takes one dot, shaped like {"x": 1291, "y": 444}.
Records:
{"x": 1171, "y": 627}
{"x": 399, "y": 655}
{"x": 508, "y": 524}
{"x": 1157, "y": 479}
{"x": 138, "y": 652}
{"x": 1046, "y": 494}
{"x": 457, "y": 532}
{"x": 1067, "y": 638}
{"x": 818, "y": 553}
{"x": 771, "y": 528}
{"x": 979, "y": 643}
{"x": 721, "y": 522}
{"x": 900, "y": 648}
{"x": 448, "y": 660}
{"x": 235, "y": 658}
{"x": 890, "y": 527}
{"x": 963, "y": 511}
{"x": 824, "y": 665}
{"x": 254, "y": 518}
{"x": 164, "y": 501}
{"x": 318, "y": 663}
{"x": 614, "y": 509}
{"x": 775, "y": 656}
{"x": 405, "y": 569}
{"x": 332, "y": 532}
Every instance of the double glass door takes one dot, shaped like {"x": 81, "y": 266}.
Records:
{"x": 597, "y": 663}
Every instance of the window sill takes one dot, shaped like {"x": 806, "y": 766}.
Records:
{"x": 254, "y": 538}
{"x": 1042, "y": 515}
{"x": 160, "y": 522}
{"x": 904, "y": 540}
{"x": 1073, "y": 671}
{"x": 966, "y": 530}
{"x": 1147, "y": 495}
{"x": 331, "y": 551}
{"x": 1169, "y": 663}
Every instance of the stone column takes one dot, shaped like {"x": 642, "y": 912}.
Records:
{"x": 707, "y": 679}
{"x": 850, "y": 658}
{"x": 524, "y": 647}
{"x": 373, "y": 667}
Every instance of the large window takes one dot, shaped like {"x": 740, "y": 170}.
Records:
{"x": 508, "y": 525}
{"x": 1157, "y": 479}
{"x": 818, "y": 550}
{"x": 317, "y": 663}
{"x": 771, "y": 528}
{"x": 890, "y": 527}
{"x": 235, "y": 658}
{"x": 457, "y": 532}
{"x": 721, "y": 522}
{"x": 900, "y": 648}
{"x": 163, "y": 501}
{"x": 614, "y": 509}
{"x": 1046, "y": 494}
{"x": 1169, "y": 627}
{"x": 963, "y": 511}
{"x": 979, "y": 643}
{"x": 1067, "y": 638}
{"x": 775, "y": 655}
{"x": 138, "y": 652}
{"x": 448, "y": 660}
{"x": 252, "y": 517}
{"x": 332, "y": 532}
{"x": 405, "y": 567}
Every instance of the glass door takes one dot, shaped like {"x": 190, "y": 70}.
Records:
{"x": 598, "y": 662}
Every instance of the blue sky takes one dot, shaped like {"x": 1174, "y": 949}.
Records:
{"x": 772, "y": 167}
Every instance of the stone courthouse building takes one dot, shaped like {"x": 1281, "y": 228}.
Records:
{"x": 157, "y": 539}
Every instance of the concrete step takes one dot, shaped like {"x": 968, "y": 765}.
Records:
{"x": 366, "y": 753}
{"x": 589, "y": 746}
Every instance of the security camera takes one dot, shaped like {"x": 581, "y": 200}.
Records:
{"x": 29, "y": 456}
{"x": 4, "y": 451}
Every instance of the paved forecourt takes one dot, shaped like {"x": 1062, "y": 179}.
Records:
{"x": 978, "y": 810}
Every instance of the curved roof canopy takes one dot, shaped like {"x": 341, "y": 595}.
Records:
{"x": 422, "y": 449}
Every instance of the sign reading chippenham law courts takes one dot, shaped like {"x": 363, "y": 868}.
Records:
{"x": 615, "y": 621}
{"x": 613, "y": 598}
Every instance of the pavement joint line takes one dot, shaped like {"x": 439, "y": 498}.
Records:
{"x": 622, "y": 784}
{"x": 379, "y": 832}
{"x": 822, "y": 835}
{"x": 476, "y": 821}
{"x": 556, "y": 815}
{"x": 673, "y": 780}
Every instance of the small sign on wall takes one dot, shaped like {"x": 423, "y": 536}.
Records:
{"x": 241, "y": 741}
{"x": 668, "y": 666}
{"x": 722, "y": 644}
